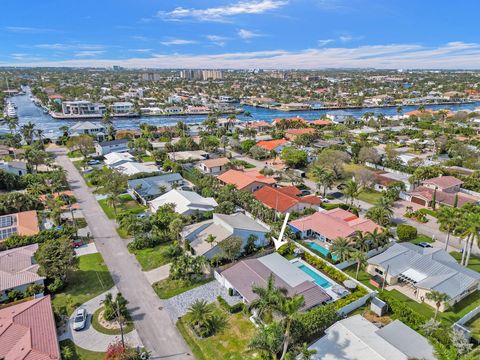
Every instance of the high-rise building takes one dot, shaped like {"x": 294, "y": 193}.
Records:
{"x": 212, "y": 74}
{"x": 151, "y": 76}
{"x": 190, "y": 74}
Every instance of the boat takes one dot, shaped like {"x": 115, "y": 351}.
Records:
{"x": 10, "y": 110}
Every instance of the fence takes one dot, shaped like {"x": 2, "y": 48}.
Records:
{"x": 355, "y": 304}
{"x": 469, "y": 192}
{"x": 370, "y": 254}
{"x": 380, "y": 167}
{"x": 460, "y": 324}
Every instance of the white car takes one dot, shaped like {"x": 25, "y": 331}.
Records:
{"x": 80, "y": 320}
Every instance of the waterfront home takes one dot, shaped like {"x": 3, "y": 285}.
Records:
{"x": 321, "y": 122}
{"x": 416, "y": 271}
{"x": 260, "y": 126}
{"x": 28, "y": 331}
{"x": 106, "y": 147}
{"x": 21, "y": 223}
{"x": 14, "y": 167}
{"x": 122, "y": 107}
{"x": 96, "y": 129}
{"x": 341, "y": 117}
{"x": 444, "y": 190}
{"x": 222, "y": 227}
{"x": 18, "y": 270}
{"x": 147, "y": 189}
{"x": 356, "y": 338}
{"x": 214, "y": 166}
{"x": 273, "y": 145}
{"x": 286, "y": 199}
{"x": 82, "y": 107}
{"x": 186, "y": 202}
{"x": 292, "y": 134}
{"x": 245, "y": 274}
{"x": 246, "y": 180}
{"x": 323, "y": 228}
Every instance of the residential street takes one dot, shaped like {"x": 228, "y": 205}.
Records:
{"x": 157, "y": 332}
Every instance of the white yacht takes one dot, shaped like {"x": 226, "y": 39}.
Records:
{"x": 10, "y": 110}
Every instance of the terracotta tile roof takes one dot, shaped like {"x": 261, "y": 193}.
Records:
{"x": 211, "y": 163}
{"x": 271, "y": 144}
{"x": 17, "y": 267}
{"x": 277, "y": 120}
{"x": 257, "y": 124}
{"x": 242, "y": 179}
{"x": 28, "y": 331}
{"x": 27, "y": 223}
{"x": 334, "y": 223}
{"x": 282, "y": 199}
{"x": 444, "y": 182}
{"x": 443, "y": 197}
{"x": 297, "y": 132}
{"x": 321, "y": 122}
{"x": 67, "y": 193}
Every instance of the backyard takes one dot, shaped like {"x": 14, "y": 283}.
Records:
{"x": 230, "y": 344}
{"x": 125, "y": 203}
{"x": 79, "y": 353}
{"x": 91, "y": 279}
{"x": 151, "y": 258}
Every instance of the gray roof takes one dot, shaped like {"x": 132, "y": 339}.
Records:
{"x": 242, "y": 221}
{"x": 113, "y": 142}
{"x": 244, "y": 274}
{"x": 433, "y": 268}
{"x": 407, "y": 340}
{"x": 150, "y": 186}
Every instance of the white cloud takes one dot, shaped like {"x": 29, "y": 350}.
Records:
{"x": 247, "y": 34}
{"x": 454, "y": 55}
{"x": 177, "y": 42}
{"x": 221, "y": 13}
{"x": 217, "y": 40}
{"x": 140, "y": 50}
{"x": 27, "y": 30}
{"x": 71, "y": 46}
{"x": 324, "y": 42}
{"x": 88, "y": 53}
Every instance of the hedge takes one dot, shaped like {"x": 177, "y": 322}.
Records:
{"x": 403, "y": 312}
{"x": 322, "y": 266}
{"x": 15, "y": 241}
{"x": 232, "y": 309}
{"x": 406, "y": 232}
{"x": 309, "y": 326}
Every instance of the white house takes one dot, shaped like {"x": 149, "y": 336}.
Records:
{"x": 14, "y": 167}
{"x": 82, "y": 107}
{"x": 214, "y": 166}
{"x": 115, "y": 159}
{"x": 132, "y": 168}
{"x": 122, "y": 107}
{"x": 106, "y": 147}
{"x": 186, "y": 202}
{"x": 96, "y": 129}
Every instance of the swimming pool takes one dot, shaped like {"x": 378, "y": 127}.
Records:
{"x": 317, "y": 278}
{"x": 320, "y": 249}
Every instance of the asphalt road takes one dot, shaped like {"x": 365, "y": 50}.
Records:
{"x": 157, "y": 332}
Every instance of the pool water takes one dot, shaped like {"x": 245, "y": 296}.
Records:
{"x": 317, "y": 278}
{"x": 320, "y": 249}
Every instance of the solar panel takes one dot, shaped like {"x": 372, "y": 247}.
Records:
{"x": 6, "y": 221}
{"x": 5, "y": 233}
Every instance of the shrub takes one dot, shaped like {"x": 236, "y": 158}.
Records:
{"x": 232, "y": 309}
{"x": 403, "y": 312}
{"x": 322, "y": 266}
{"x": 310, "y": 325}
{"x": 286, "y": 249}
{"x": 406, "y": 232}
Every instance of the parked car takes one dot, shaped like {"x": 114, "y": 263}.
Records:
{"x": 305, "y": 192}
{"x": 324, "y": 200}
{"x": 80, "y": 320}
{"x": 93, "y": 162}
{"x": 425, "y": 245}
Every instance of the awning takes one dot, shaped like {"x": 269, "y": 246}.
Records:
{"x": 414, "y": 275}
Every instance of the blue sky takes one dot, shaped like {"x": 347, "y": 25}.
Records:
{"x": 241, "y": 34}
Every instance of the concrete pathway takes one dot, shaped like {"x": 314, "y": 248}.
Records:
{"x": 178, "y": 305}
{"x": 157, "y": 274}
{"x": 154, "y": 325}
{"x": 86, "y": 249}
{"x": 89, "y": 338}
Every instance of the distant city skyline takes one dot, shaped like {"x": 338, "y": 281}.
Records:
{"x": 241, "y": 34}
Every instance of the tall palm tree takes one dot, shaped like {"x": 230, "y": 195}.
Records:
{"x": 351, "y": 190}
{"x": 341, "y": 248}
{"x": 472, "y": 233}
{"x": 28, "y": 130}
{"x": 378, "y": 238}
{"x": 438, "y": 298}
{"x": 379, "y": 215}
{"x": 11, "y": 123}
{"x": 268, "y": 339}
{"x": 306, "y": 353}
{"x": 362, "y": 241}
{"x": 361, "y": 261}
{"x": 289, "y": 309}
{"x": 269, "y": 301}
{"x": 447, "y": 217}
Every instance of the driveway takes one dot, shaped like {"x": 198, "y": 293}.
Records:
{"x": 157, "y": 332}
{"x": 89, "y": 338}
{"x": 178, "y": 305}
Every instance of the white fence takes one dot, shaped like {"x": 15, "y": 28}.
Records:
{"x": 469, "y": 192}
{"x": 370, "y": 254}
{"x": 355, "y": 304}
{"x": 460, "y": 324}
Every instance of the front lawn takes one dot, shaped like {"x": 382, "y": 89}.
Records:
{"x": 421, "y": 238}
{"x": 91, "y": 279}
{"x": 370, "y": 196}
{"x": 128, "y": 326}
{"x": 230, "y": 344}
{"x": 152, "y": 258}
{"x": 79, "y": 353}
{"x": 125, "y": 203}
{"x": 168, "y": 288}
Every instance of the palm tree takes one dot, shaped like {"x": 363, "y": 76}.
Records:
{"x": 211, "y": 239}
{"x": 362, "y": 242}
{"x": 11, "y": 123}
{"x": 27, "y": 131}
{"x": 268, "y": 339}
{"x": 269, "y": 299}
{"x": 199, "y": 313}
{"x": 438, "y": 298}
{"x": 341, "y": 248}
{"x": 379, "y": 215}
{"x": 289, "y": 309}
{"x": 472, "y": 233}
{"x": 361, "y": 260}
{"x": 306, "y": 353}
{"x": 351, "y": 190}
{"x": 378, "y": 238}
{"x": 447, "y": 217}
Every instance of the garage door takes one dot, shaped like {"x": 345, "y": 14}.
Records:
{"x": 418, "y": 201}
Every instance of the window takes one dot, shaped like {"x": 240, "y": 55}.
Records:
{"x": 378, "y": 271}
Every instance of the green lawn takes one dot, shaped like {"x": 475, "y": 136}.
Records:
{"x": 421, "y": 238}
{"x": 428, "y": 212}
{"x": 363, "y": 276}
{"x": 79, "y": 353}
{"x": 147, "y": 158}
{"x": 128, "y": 327}
{"x": 231, "y": 344}
{"x": 122, "y": 233}
{"x": 126, "y": 203}
{"x": 152, "y": 258}
{"x": 370, "y": 196}
{"x": 91, "y": 279}
{"x": 474, "y": 326}
{"x": 74, "y": 154}
{"x": 473, "y": 263}
{"x": 167, "y": 288}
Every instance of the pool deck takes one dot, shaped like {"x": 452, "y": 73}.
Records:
{"x": 328, "y": 290}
